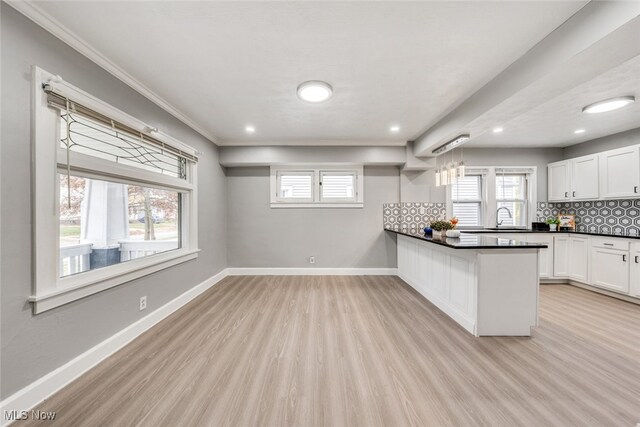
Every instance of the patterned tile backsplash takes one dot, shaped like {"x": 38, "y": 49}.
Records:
{"x": 619, "y": 217}
{"x": 412, "y": 216}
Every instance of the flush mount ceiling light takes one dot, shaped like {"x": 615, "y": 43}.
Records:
{"x": 315, "y": 91}
{"x": 394, "y": 129}
{"x": 497, "y": 130}
{"x": 456, "y": 142}
{"x": 578, "y": 131}
{"x": 608, "y": 104}
{"x": 249, "y": 129}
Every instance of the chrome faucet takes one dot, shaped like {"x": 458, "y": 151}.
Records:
{"x": 499, "y": 223}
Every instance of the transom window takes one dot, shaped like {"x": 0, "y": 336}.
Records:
{"x": 324, "y": 186}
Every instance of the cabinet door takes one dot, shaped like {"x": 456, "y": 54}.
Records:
{"x": 620, "y": 173}
{"x": 560, "y": 256}
{"x": 585, "y": 178}
{"x": 635, "y": 275}
{"x": 559, "y": 181}
{"x": 579, "y": 259}
{"x": 610, "y": 269}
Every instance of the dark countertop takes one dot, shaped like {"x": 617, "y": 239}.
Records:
{"x": 526, "y": 230}
{"x": 473, "y": 241}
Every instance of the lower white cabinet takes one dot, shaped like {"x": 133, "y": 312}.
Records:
{"x": 579, "y": 258}
{"x": 610, "y": 269}
{"x": 634, "y": 290}
{"x": 561, "y": 256}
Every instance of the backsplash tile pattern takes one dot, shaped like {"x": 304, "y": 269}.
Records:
{"x": 408, "y": 217}
{"x": 618, "y": 217}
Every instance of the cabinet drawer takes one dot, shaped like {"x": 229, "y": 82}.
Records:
{"x": 619, "y": 244}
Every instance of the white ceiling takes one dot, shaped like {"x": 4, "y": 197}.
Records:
{"x": 552, "y": 124}
{"x": 230, "y": 64}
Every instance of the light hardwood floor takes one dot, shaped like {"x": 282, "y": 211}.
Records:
{"x": 362, "y": 351}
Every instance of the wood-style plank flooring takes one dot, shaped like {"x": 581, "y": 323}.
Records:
{"x": 362, "y": 351}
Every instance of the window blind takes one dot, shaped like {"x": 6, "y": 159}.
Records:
{"x": 338, "y": 186}
{"x": 296, "y": 186}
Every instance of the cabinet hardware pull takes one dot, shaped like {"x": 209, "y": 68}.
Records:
{"x": 624, "y": 258}
{"x": 608, "y": 244}
{"x": 574, "y": 194}
{"x": 566, "y": 194}
{"x": 635, "y": 189}
{"x": 638, "y": 260}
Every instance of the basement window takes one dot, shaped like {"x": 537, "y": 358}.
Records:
{"x": 317, "y": 186}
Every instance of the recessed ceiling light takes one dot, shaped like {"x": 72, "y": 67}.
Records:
{"x": 579, "y": 131}
{"x": 315, "y": 91}
{"x": 249, "y": 129}
{"x": 608, "y": 104}
{"x": 497, "y": 130}
{"x": 394, "y": 128}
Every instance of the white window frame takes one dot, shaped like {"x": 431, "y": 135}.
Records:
{"x": 50, "y": 290}
{"x": 317, "y": 170}
{"x": 526, "y": 200}
{"x": 281, "y": 199}
{"x": 481, "y": 200}
{"x": 489, "y": 192}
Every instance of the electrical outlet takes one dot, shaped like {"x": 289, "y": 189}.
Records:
{"x": 143, "y": 303}
{"x": 312, "y": 260}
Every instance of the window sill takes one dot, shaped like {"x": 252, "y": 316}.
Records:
{"x": 83, "y": 285}
{"x": 317, "y": 205}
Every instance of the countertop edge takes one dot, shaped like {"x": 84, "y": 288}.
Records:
{"x": 447, "y": 245}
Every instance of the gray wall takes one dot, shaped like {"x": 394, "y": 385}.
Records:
{"x": 611, "y": 142}
{"x": 420, "y": 186}
{"x": 32, "y": 345}
{"x": 263, "y": 237}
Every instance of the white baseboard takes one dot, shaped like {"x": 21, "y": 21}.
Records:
{"x": 44, "y": 387}
{"x": 312, "y": 271}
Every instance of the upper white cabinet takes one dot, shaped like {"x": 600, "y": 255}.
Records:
{"x": 575, "y": 179}
{"x": 614, "y": 174}
{"x": 584, "y": 178}
{"x": 620, "y": 173}
{"x": 559, "y": 181}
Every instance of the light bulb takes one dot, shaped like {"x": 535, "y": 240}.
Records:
{"x": 461, "y": 170}
{"x": 438, "y": 178}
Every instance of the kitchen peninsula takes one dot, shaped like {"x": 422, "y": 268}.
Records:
{"x": 471, "y": 279}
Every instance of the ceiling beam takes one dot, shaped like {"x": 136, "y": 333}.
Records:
{"x": 586, "y": 45}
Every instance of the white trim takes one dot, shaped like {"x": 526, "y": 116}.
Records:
{"x": 103, "y": 279}
{"x": 235, "y": 271}
{"x": 53, "y": 26}
{"x": 39, "y": 390}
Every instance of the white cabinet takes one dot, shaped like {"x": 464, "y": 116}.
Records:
{"x": 579, "y": 258}
{"x": 559, "y": 181}
{"x": 575, "y": 179}
{"x": 610, "y": 269}
{"x": 620, "y": 173}
{"x": 584, "y": 178}
{"x": 634, "y": 288}
{"x": 561, "y": 256}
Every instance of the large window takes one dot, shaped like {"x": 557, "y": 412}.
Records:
{"x": 323, "y": 186}
{"x": 124, "y": 196}
{"x": 490, "y": 196}
{"x": 512, "y": 199}
{"x": 467, "y": 201}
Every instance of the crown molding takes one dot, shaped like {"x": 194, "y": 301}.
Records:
{"x": 315, "y": 143}
{"x": 53, "y": 26}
